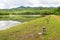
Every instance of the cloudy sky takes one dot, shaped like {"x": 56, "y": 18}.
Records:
{"x": 32, "y": 3}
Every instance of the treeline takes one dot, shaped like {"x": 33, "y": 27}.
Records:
{"x": 31, "y": 11}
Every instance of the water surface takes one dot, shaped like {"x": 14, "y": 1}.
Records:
{"x": 7, "y": 24}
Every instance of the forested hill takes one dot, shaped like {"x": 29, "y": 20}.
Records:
{"x": 30, "y": 11}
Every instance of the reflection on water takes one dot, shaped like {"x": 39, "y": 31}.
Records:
{"x": 21, "y": 18}
{"x": 7, "y": 24}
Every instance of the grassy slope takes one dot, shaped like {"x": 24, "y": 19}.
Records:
{"x": 33, "y": 27}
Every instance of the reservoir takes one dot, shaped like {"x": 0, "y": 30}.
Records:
{"x": 7, "y": 24}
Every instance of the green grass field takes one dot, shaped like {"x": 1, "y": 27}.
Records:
{"x": 25, "y": 30}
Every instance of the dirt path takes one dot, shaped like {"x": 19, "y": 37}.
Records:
{"x": 56, "y": 17}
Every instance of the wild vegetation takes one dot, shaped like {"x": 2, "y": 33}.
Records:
{"x": 31, "y": 30}
{"x": 30, "y": 11}
{"x": 21, "y": 18}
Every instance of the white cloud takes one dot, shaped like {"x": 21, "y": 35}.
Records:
{"x": 34, "y": 1}
{"x": 15, "y": 3}
{"x": 1, "y": 5}
{"x": 50, "y": 2}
